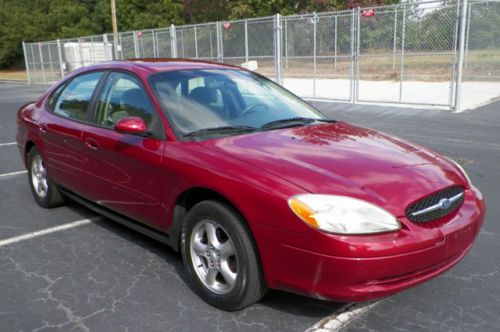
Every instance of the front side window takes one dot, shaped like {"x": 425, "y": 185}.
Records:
{"x": 73, "y": 101}
{"x": 122, "y": 96}
{"x": 202, "y": 99}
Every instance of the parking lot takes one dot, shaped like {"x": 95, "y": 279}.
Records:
{"x": 96, "y": 275}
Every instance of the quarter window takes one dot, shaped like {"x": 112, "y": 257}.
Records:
{"x": 73, "y": 101}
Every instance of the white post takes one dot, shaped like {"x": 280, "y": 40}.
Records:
{"x": 314, "y": 53}
{"x": 195, "y": 43}
{"x": 211, "y": 44}
{"x": 394, "y": 38}
{"x": 461, "y": 51}
{"x": 51, "y": 64}
{"x": 61, "y": 62}
{"x": 467, "y": 36}
{"x": 402, "y": 55}
{"x": 136, "y": 45}
{"x": 220, "y": 52}
{"x": 41, "y": 61}
{"x": 92, "y": 57}
{"x": 182, "y": 44}
{"x": 358, "y": 46}
{"x": 153, "y": 38}
{"x": 286, "y": 43}
{"x": 353, "y": 55}
{"x": 277, "y": 49}
{"x": 173, "y": 42}
{"x": 80, "y": 51}
{"x": 26, "y": 63}
{"x": 335, "y": 44}
{"x": 105, "y": 41}
{"x": 246, "y": 42}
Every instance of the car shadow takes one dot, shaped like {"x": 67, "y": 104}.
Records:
{"x": 286, "y": 302}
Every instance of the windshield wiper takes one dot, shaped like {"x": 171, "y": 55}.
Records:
{"x": 292, "y": 122}
{"x": 221, "y": 130}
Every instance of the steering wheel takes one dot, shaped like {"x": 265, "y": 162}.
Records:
{"x": 251, "y": 109}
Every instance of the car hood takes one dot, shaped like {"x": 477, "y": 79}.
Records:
{"x": 344, "y": 159}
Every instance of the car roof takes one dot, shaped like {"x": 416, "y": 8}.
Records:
{"x": 155, "y": 65}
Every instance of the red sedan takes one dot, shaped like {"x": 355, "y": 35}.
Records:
{"x": 254, "y": 186}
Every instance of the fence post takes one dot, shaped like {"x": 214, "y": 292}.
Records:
{"x": 451, "y": 99}
{"x": 402, "y": 55}
{"x": 51, "y": 63}
{"x": 335, "y": 44}
{"x": 286, "y": 43}
{"x": 220, "y": 45}
{"x": 467, "y": 36}
{"x": 394, "y": 38}
{"x": 80, "y": 51}
{"x": 314, "y": 53}
{"x": 182, "y": 44}
{"x": 41, "y": 61}
{"x": 173, "y": 41}
{"x": 26, "y": 63}
{"x": 211, "y": 44}
{"x": 59, "y": 54}
{"x": 353, "y": 56}
{"x": 153, "y": 37}
{"x": 195, "y": 43}
{"x": 246, "y": 42}
{"x": 461, "y": 51}
{"x": 136, "y": 45}
{"x": 92, "y": 58}
{"x": 120, "y": 44}
{"x": 277, "y": 49}
{"x": 358, "y": 51}
{"x": 105, "y": 42}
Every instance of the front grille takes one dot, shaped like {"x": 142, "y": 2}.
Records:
{"x": 415, "y": 212}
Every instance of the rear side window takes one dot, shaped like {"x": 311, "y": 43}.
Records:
{"x": 73, "y": 101}
{"x": 123, "y": 96}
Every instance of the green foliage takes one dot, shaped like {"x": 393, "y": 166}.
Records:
{"x": 38, "y": 20}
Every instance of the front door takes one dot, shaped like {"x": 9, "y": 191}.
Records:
{"x": 123, "y": 171}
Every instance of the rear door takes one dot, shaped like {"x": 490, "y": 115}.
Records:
{"x": 61, "y": 129}
{"x": 123, "y": 171}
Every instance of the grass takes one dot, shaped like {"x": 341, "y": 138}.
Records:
{"x": 14, "y": 75}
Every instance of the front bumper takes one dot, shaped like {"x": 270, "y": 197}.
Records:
{"x": 359, "y": 268}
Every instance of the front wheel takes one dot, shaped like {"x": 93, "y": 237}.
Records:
{"x": 220, "y": 256}
{"x": 43, "y": 189}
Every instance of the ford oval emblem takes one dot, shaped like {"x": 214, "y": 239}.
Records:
{"x": 444, "y": 203}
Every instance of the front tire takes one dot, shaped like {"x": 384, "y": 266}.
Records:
{"x": 220, "y": 256}
{"x": 44, "y": 191}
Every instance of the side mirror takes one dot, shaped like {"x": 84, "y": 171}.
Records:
{"x": 131, "y": 125}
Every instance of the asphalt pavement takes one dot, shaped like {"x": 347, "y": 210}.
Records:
{"x": 101, "y": 276}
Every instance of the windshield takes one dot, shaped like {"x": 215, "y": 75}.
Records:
{"x": 219, "y": 102}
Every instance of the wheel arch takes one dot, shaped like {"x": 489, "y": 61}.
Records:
{"x": 27, "y": 148}
{"x": 189, "y": 198}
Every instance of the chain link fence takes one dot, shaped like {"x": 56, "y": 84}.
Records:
{"x": 427, "y": 53}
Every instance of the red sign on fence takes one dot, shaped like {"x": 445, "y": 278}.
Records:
{"x": 368, "y": 12}
{"x": 227, "y": 25}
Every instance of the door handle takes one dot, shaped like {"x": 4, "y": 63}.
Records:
{"x": 42, "y": 129}
{"x": 91, "y": 144}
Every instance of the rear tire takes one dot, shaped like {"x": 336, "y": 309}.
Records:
{"x": 44, "y": 191}
{"x": 220, "y": 256}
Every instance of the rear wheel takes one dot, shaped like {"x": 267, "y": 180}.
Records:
{"x": 44, "y": 191}
{"x": 220, "y": 256}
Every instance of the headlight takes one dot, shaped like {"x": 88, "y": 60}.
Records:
{"x": 461, "y": 169}
{"x": 342, "y": 215}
